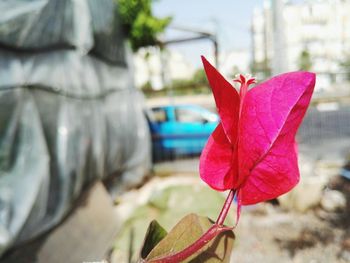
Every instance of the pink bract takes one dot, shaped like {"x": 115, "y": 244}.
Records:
{"x": 253, "y": 149}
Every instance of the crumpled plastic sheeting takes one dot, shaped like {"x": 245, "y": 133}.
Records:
{"x": 65, "y": 72}
{"x": 52, "y": 145}
{"x": 87, "y": 25}
{"x": 66, "y": 119}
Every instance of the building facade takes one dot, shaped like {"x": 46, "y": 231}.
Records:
{"x": 160, "y": 67}
{"x": 316, "y": 36}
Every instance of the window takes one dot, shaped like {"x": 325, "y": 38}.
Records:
{"x": 188, "y": 115}
{"x": 159, "y": 115}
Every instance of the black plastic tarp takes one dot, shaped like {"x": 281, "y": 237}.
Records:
{"x": 69, "y": 112}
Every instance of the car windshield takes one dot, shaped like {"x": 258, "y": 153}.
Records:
{"x": 159, "y": 115}
{"x": 189, "y": 114}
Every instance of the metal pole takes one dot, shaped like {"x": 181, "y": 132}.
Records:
{"x": 279, "y": 63}
{"x": 216, "y": 52}
{"x": 166, "y": 75}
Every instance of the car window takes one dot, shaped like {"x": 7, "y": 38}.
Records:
{"x": 188, "y": 115}
{"x": 159, "y": 115}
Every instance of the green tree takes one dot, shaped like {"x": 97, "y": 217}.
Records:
{"x": 139, "y": 24}
{"x": 199, "y": 78}
{"x": 305, "y": 62}
{"x": 261, "y": 68}
{"x": 345, "y": 65}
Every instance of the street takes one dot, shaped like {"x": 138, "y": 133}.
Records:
{"x": 323, "y": 135}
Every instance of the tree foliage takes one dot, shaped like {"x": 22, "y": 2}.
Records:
{"x": 345, "y": 65}
{"x": 139, "y": 24}
{"x": 261, "y": 69}
{"x": 198, "y": 84}
{"x": 305, "y": 62}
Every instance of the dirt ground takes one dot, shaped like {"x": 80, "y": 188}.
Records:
{"x": 265, "y": 233}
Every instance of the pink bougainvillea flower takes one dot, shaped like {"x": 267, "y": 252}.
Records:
{"x": 253, "y": 149}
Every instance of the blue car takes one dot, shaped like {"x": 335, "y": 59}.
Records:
{"x": 180, "y": 130}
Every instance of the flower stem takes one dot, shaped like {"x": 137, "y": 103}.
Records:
{"x": 211, "y": 233}
{"x": 222, "y": 216}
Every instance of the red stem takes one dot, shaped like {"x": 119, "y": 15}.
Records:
{"x": 222, "y": 216}
{"x": 212, "y": 232}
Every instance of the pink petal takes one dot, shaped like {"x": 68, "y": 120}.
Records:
{"x": 226, "y": 99}
{"x": 271, "y": 115}
{"x": 271, "y": 177}
{"x": 216, "y": 161}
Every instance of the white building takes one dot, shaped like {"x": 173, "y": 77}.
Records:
{"x": 234, "y": 62}
{"x": 152, "y": 65}
{"x": 320, "y": 29}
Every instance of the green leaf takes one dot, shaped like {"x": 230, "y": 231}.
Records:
{"x": 155, "y": 233}
{"x": 140, "y": 25}
{"x": 186, "y": 232}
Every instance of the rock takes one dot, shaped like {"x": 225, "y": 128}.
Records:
{"x": 307, "y": 194}
{"x": 333, "y": 200}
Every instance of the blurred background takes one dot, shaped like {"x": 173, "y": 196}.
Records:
{"x": 105, "y": 109}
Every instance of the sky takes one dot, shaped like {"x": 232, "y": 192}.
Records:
{"x": 231, "y": 19}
